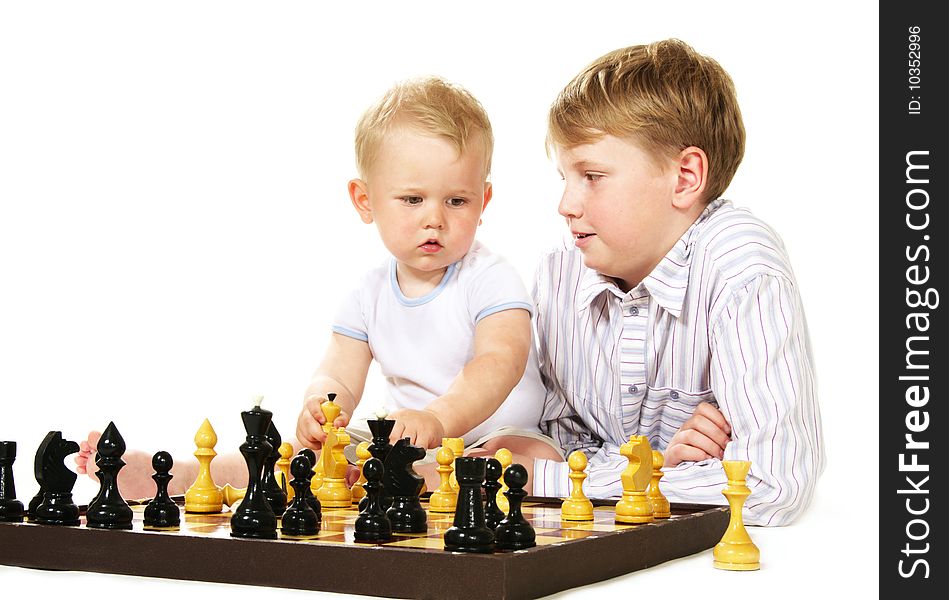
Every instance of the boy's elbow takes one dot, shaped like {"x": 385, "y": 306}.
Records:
{"x": 782, "y": 501}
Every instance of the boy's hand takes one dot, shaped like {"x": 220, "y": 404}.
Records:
{"x": 703, "y": 436}
{"x": 311, "y": 420}
{"x": 422, "y": 427}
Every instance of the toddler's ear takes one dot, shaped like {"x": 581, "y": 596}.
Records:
{"x": 692, "y": 168}
{"x": 488, "y": 194}
{"x": 359, "y": 194}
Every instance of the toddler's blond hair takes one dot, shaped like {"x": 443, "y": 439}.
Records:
{"x": 431, "y": 105}
{"x": 665, "y": 96}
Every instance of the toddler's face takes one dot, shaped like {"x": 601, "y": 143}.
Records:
{"x": 425, "y": 199}
{"x": 617, "y": 203}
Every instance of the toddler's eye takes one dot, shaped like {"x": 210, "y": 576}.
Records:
{"x": 411, "y": 200}
{"x": 457, "y": 202}
{"x": 592, "y": 176}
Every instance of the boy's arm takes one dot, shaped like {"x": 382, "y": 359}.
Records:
{"x": 762, "y": 376}
{"x": 342, "y": 372}
{"x": 501, "y": 348}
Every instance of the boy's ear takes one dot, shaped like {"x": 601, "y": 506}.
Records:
{"x": 359, "y": 194}
{"x": 692, "y": 177}
{"x": 488, "y": 194}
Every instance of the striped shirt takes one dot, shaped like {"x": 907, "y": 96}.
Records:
{"x": 718, "y": 320}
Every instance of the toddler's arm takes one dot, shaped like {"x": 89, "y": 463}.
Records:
{"x": 342, "y": 372}
{"x": 502, "y": 345}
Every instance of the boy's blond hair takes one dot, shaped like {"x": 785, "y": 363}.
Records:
{"x": 665, "y": 96}
{"x": 430, "y": 104}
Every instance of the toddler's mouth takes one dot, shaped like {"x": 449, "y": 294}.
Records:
{"x": 431, "y": 246}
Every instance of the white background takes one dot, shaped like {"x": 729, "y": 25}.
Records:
{"x": 175, "y": 232}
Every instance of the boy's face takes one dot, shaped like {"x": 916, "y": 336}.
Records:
{"x": 425, "y": 199}
{"x": 619, "y": 206}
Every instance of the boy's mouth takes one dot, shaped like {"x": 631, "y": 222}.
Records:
{"x": 430, "y": 246}
{"x": 580, "y": 240}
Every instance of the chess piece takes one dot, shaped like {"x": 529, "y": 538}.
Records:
{"x": 468, "y": 532}
{"x": 505, "y": 457}
{"x": 660, "y": 505}
{"x": 514, "y": 532}
{"x": 333, "y": 493}
{"x": 310, "y": 498}
{"x": 444, "y": 499}
{"x": 362, "y": 455}
{"x": 283, "y": 465}
{"x": 162, "y": 512}
{"x": 268, "y": 481}
{"x": 381, "y": 429}
{"x": 232, "y": 495}
{"x": 204, "y": 496}
{"x": 736, "y": 551}
{"x": 109, "y": 510}
{"x": 55, "y": 505}
{"x": 634, "y": 506}
{"x": 457, "y": 447}
{"x": 492, "y": 514}
{"x": 406, "y": 513}
{"x": 299, "y": 519}
{"x": 372, "y": 525}
{"x": 577, "y": 507}
{"x": 11, "y": 509}
{"x": 254, "y": 518}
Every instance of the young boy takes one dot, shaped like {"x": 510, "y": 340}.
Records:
{"x": 448, "y": 321}
{"x": 674, "y": 315}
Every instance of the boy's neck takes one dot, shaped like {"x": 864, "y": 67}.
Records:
{"x": 414, "y": 283}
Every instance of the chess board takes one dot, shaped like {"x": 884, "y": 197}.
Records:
{"x": 567, "y": 554}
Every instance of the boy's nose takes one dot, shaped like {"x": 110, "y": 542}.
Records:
{"x": 568, "y": 206}
{"x": 434, "y": 218}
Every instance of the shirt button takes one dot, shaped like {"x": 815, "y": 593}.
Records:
{"x": 632, "y": 389}
{"x": 632, "y": 311}
{"x": 674, "y": 395}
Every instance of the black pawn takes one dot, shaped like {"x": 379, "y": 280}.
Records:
{"x": 406, "y": 513}
{"x": 11, "y": 509}
{"x": 492, "y": 485}
{"x": 515, "y": 532}
{"x": 372, "y": 525}
{"x": 299, "y": 519}
{"x": 56, "y": 506}
{"x": 312, "y": 500}
{"x": 162, "y": 512}
{"x": 274, "y": 494}
{"x": 468, "y": 532}
{"x": 109, "y": 510}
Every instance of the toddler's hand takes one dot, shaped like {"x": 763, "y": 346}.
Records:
{"x": 311, "y": 420}
{"x": 421, "y": 427}
{"x": 703, "y": 436}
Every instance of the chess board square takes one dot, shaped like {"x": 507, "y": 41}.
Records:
{"x": 431, "y": 543}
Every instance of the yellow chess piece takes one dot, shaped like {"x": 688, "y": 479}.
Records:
{"x": 457, "y": 447}
{"x": 577, "y": 507}
{"x": 660, "y": 505}
{"x": 634, "y": 506}
{"x": 233, "y": 495}
{"x": 286, "y": 453}
{"x": 204, "y": 496}
{"x": 444, "y": 499}
{"x": 333, "y": 493}
{"x": 503, "y": 456}
{"x": 736, "y": 551}
{"x": 362, "y": 455}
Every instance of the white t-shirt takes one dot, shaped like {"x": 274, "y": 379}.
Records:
{"x": 422, "y": 344}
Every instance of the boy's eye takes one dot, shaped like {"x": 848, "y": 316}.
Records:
{"x": 457, "y": 202}
{"x": 411, "y": 200}
{"x": 592, "y": 176}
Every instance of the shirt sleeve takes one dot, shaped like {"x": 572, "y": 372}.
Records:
{"x": 493, "y": 285}
{"x": 350, "y": 319}
{"x": 763, "y": 379}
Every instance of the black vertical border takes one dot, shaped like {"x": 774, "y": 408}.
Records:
{"x": 905, "y": 255}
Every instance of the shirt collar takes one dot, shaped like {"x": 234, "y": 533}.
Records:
{"x": 667, "y": 283}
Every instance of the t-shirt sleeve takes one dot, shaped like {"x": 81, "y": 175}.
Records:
{"x": 493, "y": 286}
{"x": 350, "y": 319}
